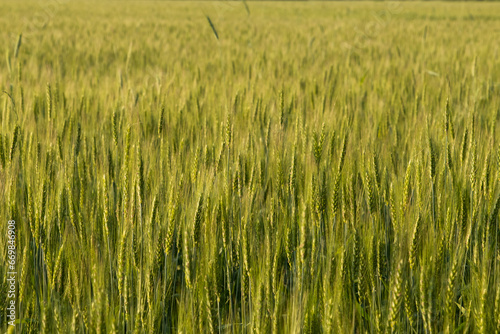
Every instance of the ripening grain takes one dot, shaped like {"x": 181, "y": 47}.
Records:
{"x": 249, "y": 167}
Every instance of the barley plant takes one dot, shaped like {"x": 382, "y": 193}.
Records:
{"x": 247, "y": 167}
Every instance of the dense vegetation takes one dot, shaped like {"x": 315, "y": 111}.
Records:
{"x": 276, "y": 168}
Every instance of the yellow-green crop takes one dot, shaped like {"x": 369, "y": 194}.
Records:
{"x": 251, "y": 167}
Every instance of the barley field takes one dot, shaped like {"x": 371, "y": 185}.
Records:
{"x": 250, "y": 167}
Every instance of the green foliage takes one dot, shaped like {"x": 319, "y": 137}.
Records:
{"x": 300, "y": 172}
